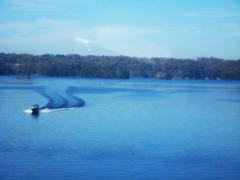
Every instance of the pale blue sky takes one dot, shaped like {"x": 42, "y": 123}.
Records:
{"x": 164, "y": 28}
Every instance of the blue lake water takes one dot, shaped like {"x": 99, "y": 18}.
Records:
{"x": 128, "y": 129}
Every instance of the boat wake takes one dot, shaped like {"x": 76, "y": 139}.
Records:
{"x": 46, "y": 110}
{"x": 59, "y": 99}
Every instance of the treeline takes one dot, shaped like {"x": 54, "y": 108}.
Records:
{"x": 25, "y": 65}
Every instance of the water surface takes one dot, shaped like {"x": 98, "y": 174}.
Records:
{"x": 127, "y": 129}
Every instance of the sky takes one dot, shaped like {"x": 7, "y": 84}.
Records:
{"x": 142, "y": 28}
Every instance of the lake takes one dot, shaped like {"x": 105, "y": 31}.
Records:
{"x": 125, "y": 129}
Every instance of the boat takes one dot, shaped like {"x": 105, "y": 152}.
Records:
{"x": 35, "y": 109}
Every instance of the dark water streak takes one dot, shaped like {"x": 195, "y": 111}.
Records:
{"x": 55, "y": 99}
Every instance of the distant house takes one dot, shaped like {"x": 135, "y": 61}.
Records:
{"x": 160, "y": 75}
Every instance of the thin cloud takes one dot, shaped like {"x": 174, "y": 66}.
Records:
{"x": 129, "y": 40}
{"x": 232, "y": 29}
{"x": 41, "y": 5}
{"x": 124, "y": 31}
{"x": 212, "y": 14}
{"x": 234, "y": 34}
{"x": 232, "y": 25}
{"x": 18, "y": 26}
{"x": 82, "y": 40}
{"x": 46, "y": 25}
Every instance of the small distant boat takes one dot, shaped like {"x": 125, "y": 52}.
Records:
{"x": 35, "y": 109}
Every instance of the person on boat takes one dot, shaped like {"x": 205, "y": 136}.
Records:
{"x": 35, "y": 110}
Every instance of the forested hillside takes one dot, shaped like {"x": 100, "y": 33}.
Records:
{"x": 25, "y": 65}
